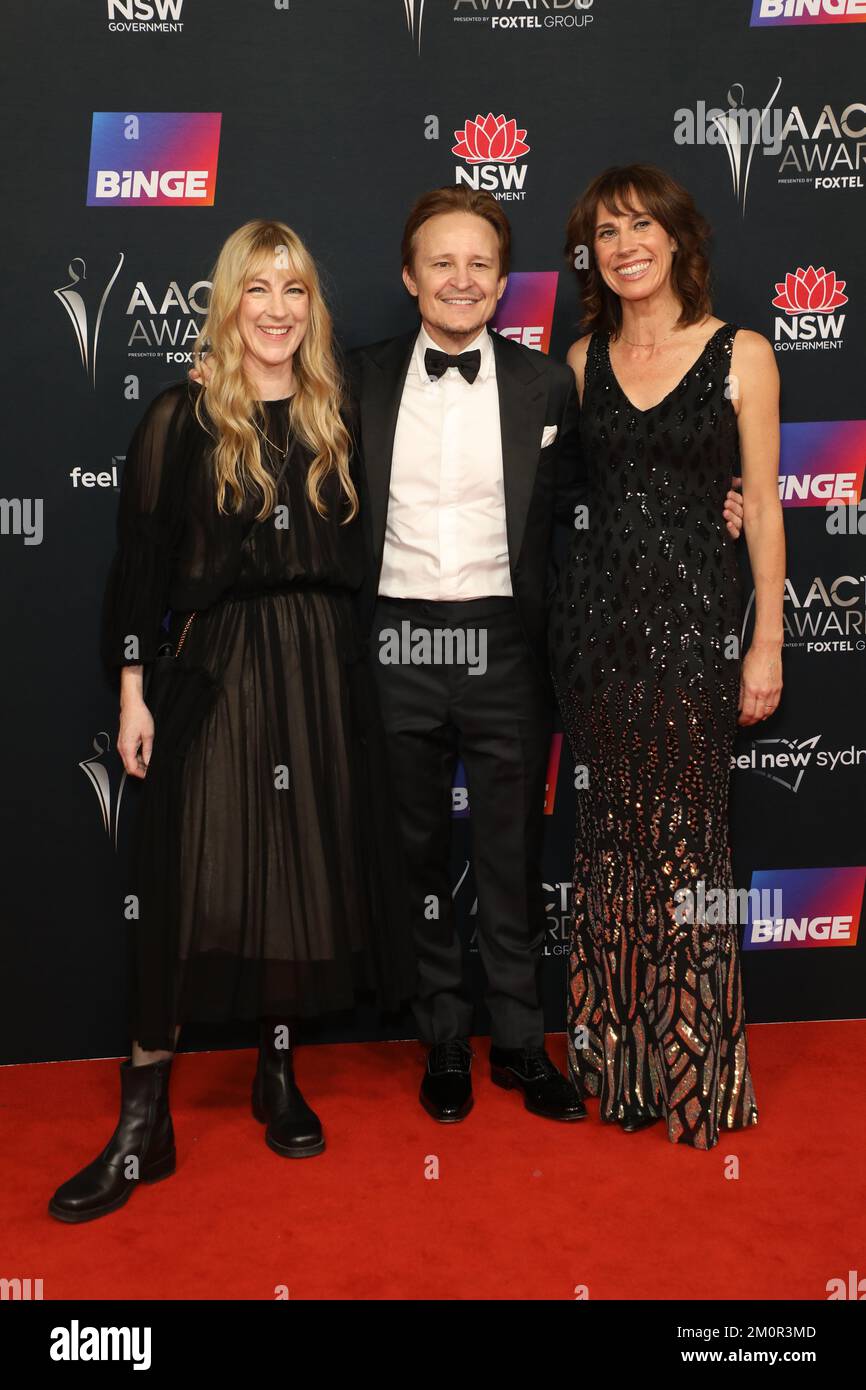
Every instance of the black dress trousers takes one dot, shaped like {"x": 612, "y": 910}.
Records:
{"x": 494, "y": 710}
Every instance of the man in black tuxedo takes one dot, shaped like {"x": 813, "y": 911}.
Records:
{"x": 470, "y": 449}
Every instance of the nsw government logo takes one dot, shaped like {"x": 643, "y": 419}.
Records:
{"x": 807, "y": 298}
{"x": 491, "y": 146}
{"x": 145, "y": 16}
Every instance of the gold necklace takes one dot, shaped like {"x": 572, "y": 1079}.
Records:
{"x": 656, "y": 344}
{"x": 281, "y": 452}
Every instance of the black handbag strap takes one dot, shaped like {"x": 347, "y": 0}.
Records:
{"x": 277, "y": 480}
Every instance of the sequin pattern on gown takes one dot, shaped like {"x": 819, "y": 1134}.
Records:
{"x": 644, "y": 633}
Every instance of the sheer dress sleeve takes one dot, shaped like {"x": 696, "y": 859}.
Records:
{"x": 136, "y": 591}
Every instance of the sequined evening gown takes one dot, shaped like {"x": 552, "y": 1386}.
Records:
{"x": 643, "y": 647}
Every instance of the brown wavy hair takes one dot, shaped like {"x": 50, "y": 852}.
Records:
{"x": 645, "y": 188}
{"x": 229, "y": 398}
{"x": 457, "y": 198}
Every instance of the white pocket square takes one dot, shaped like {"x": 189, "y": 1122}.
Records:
{"x": 548, "y": 434}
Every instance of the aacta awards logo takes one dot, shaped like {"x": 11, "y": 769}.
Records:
{"x": 84, "y": 301}
{"x": 819, "y": 148}
{"x": 103, "y": 779}
{"x": 807, "y": 297}
{"x": 164, "y": 321}
{"x": 524, "y": 16}
{"x": 821, "y": 615}
{"x": 491, "y": 146}
{"x": 521, "y": 16}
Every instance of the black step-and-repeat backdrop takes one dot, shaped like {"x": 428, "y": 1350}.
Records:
{"x": 139, "y": 133}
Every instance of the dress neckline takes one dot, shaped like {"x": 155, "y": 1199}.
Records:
{"x": 650, "y": 408}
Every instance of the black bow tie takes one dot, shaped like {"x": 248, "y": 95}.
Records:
{"x": 468, "y": 364}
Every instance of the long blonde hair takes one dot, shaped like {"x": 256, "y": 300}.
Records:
{"x": 229, "y": 398}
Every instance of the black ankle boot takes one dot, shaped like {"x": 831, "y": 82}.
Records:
{"x": 144, "y": 1132}
{"x": 293, "y": 1129}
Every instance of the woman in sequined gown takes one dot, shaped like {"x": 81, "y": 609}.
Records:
{"x": 645, "y": 650}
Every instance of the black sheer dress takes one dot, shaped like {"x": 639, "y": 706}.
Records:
{"x": 644, "y": 643}
{"x": 264, "y": 857}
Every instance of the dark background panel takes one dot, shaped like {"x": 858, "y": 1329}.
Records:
{"x": 326, "y": 110}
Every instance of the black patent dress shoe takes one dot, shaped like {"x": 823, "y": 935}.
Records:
{"x": 545, "y": 1090}
{"x": 141, "y": 1149}
{"x": 633, "y": 1120}
{"x": 294, "y": 1130}
{"x": 446, "y": 1091}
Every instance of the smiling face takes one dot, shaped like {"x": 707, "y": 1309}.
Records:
{"x": 633, "y": 251}
{"x": 273, "y": 316}
{"x": 455, "y": 276}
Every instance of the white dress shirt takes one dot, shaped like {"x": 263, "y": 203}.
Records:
{"x": 445, "y": 534}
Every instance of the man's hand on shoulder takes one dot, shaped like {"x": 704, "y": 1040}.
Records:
{"x": 201, "y": 372}
{"x": 732, "y": 511}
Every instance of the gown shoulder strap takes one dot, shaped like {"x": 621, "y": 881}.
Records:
{"x": 725, "y": 338}
{"x": 594, "y": 359}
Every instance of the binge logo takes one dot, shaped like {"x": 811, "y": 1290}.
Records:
{"x": 552, "y": 774}
{"x": 153, "y": 159}
{"x": 808, "y": 12}
{"x": 822, "y": 461}
{"x": 525, "y": 311}
{"x": 822, "y": 908}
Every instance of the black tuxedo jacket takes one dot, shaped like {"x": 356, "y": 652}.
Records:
{"x": 542, "y": 485}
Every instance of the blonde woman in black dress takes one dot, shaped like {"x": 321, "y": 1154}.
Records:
{"x": 645, "y": 641}
{"x": 259, "y": 868}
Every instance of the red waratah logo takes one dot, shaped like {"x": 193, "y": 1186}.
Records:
{"x": 810, "y": 291}
{"x": 490, "y": 140}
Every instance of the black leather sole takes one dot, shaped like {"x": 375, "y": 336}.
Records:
{"x": 500, "y": 1077}
{"x": 436, "y": 1113}
{"x": 158, "y": 1173}
{"x": 307, "y": 1151}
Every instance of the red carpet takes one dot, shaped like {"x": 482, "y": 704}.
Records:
{"x": 523, "y": 1208}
